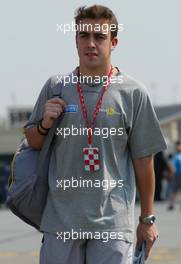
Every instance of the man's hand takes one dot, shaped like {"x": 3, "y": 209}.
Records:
{"x": 148, "y": 233}
{"x": 145, "y": 179}
{"x": 52, "y": 109}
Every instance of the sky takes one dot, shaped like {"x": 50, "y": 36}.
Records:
{"x": 31, "y": 48}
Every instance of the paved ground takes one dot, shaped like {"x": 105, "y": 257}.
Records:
{"x": 20, "y": 244}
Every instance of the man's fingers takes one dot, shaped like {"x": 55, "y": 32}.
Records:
{"x": 52, "y": 108}
{"x": 57, "y": 101}
{"x": 55, "y": 106}
{"x": 146, "y": 233}
{"x": 52, "y": 115}
{"x": 149, "y": 244}
{"x": 147, "y": 251}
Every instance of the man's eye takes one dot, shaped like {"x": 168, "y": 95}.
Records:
{"x": 82, "y": 35}
{"x": 100, "y": 37}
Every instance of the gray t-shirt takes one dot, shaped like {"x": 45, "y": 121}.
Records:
{"x": 126, "y": 128}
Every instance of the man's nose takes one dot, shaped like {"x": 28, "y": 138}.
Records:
{"x": 91, "y": 42}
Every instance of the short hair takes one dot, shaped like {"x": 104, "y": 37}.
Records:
{"x": 97, "y": 12}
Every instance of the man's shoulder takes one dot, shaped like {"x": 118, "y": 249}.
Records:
{"x": 56, "y": 79}
{"x": 60, "y": 78}
{"x": 131, "y": 85}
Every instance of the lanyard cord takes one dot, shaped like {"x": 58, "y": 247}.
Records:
{"x": 96, "y": 111}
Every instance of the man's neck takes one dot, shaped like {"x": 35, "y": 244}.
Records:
{"x": 93, "y": 72}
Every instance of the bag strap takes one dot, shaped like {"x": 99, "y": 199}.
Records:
{"x": 56, "y": 92}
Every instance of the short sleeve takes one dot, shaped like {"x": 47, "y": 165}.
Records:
{"x": 145, "y": 136}
{"x": 37, "y": 113}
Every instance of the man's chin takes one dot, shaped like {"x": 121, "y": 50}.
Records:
{"x": 92, "y": 65}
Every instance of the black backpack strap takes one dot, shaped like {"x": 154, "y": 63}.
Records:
{"x": 57, "y": 90}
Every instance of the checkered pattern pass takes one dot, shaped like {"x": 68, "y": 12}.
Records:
{"x": 91, "y": 159}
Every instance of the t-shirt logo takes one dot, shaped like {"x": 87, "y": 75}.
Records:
{"x": 110, "y": 111}
{"x": 71, "y": 109}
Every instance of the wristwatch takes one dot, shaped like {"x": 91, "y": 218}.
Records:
{"x": 42, "y": 130}
{"x": 149, "y": 220}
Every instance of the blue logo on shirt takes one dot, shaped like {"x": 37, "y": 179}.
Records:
{"x": 71, "y": 109}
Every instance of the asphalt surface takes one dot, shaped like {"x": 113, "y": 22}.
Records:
{"x": 20, "y": 244}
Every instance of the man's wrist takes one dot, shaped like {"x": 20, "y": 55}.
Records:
{"x": 41, "y": 129}
{"x": 43, "y": 125}
{"x": 149, "y": 219}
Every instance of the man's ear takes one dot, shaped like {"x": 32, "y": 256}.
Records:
{"x": 114, "y": 43}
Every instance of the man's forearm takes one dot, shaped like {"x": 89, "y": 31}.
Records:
{"x": 145, "y": 179}
{"x": 35, "y": 140}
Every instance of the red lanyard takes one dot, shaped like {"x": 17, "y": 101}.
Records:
{"x": 84, "y": 110}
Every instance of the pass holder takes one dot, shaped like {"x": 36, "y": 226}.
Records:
{"x": 91, "y": 158}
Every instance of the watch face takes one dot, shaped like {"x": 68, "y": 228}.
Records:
{"x": 148, "y": 220}
{"x": 153, "y": 219}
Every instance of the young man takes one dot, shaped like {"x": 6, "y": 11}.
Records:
{"x": 117, "y": 158}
